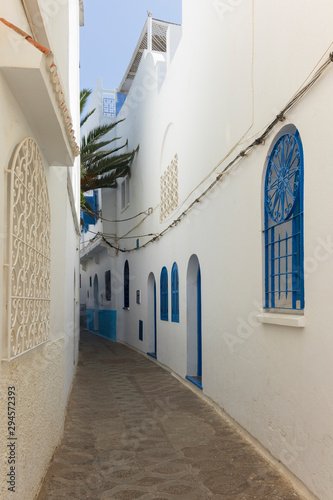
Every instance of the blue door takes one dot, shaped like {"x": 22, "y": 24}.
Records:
{"x": 194, "y": 323}
{"x": 199, "y": 332}
{"x": 152, "y": 317}
{"x": 155, "y": 324}
{"x": 96, "y": 304}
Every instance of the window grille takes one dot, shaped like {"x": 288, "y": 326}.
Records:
{"x": 109, "y": 106}
{"x": 164, "y": 294}
{"x": 174, "y": 294}
{"x": 169, "y": 189}
{"x": 28, "y": 252}
{"x": 283, "y": 232}
{"x": 126, "y": 285}
{"x": 108, "y": 286}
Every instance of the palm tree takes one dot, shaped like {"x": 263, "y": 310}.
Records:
{"x": 100, "y": 165}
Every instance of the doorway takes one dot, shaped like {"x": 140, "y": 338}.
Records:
{"x": 194, "y": 322}
{"x": 96, "y": 304}
{"x": 152, "y": 323}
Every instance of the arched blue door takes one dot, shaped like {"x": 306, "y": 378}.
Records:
{"x": 194, "y": 322}
{"x": 96, "y": 304}
{"x": 152, "y": 319}
{"x": 199, "y": 330}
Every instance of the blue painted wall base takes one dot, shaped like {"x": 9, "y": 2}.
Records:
{"x": 107, "y": 323}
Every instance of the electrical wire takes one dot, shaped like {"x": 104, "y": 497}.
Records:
{"x": 258, "y": 141}
{"x": 147, "y": 212}
{"x": 244, "y": 134}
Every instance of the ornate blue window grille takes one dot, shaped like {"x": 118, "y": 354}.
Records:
{"x": 126, "y": 285}
{"x": 284, "y": 255}
{"x": 174, "y": 294}
{"x": 164, "y": 294}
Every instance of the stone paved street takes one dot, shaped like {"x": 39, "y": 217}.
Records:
{"x": 133, "y": 431}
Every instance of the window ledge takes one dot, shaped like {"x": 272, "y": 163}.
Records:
{"x": 282, "y": 319}
{"x": 126, "y": 308}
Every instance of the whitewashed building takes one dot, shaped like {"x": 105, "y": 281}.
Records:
{"x": 39, "y": 233}
{"x": 222, "y": 266}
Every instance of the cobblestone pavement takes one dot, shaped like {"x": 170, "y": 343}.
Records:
{"x": 133, "y": 431}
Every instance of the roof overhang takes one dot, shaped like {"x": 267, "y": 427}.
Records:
{"x": 95, "y": 246}
{"x": 31, "y": 75}
{"x": 154, "y": 37}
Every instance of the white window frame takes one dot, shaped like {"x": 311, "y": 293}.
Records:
{"x": 124, "y": 194}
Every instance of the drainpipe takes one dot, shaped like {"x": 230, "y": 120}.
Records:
{"x": 150, "y": 32}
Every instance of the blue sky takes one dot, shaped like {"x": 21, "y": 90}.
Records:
{"x": 111, "y": 32}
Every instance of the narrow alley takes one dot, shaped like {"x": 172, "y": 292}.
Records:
{"x": 133, "y": 431}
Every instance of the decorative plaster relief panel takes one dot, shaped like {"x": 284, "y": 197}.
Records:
{"x": 169, "y": 189}
{"x": 29, "y": 252}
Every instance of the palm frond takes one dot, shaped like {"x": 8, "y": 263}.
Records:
{"x": 109, "y": 164}
{"x": 93, "y": 157}
{"x": 101, "y": 166}
{"x": 107, "y": 181}
{"x": 85, "y": 118}
{"x": 91, "y": 150}
{"x": 96, "y": 133}
{"x": 84, "y": 96}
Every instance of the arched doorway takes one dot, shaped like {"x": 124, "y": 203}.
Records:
{"x": 194, "y": 333}
{"x": 151, "y": 318}
{"x": 96, "y": 304}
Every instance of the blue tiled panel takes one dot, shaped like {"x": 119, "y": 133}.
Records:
{"x": 107, "y": 321}
{"x": 108, "y": 324}
{"x": 90, "y": 320}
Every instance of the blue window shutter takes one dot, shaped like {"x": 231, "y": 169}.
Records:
{"x": 108, "y": 286}
{"x": 126, "y": 285}
{"x": 164, "y": 294}
{"x": 92, "y": 202}
{"x": 174, "y": 294}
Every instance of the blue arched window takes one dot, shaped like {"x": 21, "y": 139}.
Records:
{"x": 283, "y": 213}
{"x": 174, "y": 294}
{"x": 126, "y": 285}
{"x": 164, "y": 294}
{"x": 108, "y": 286}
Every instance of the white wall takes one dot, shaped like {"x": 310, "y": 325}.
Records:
{"x": 42, "y": 377}
{"x": 232, "y": 73}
